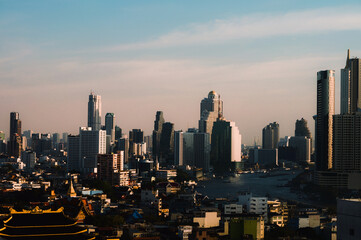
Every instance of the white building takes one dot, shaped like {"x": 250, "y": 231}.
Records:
{"x": 256, "y": 205}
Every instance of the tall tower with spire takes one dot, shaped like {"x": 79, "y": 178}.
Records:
{"x": 351, "y": 85}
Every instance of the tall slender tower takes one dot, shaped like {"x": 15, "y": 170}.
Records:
{"x": 15, "y": 146}
{"x": 110, "y": 126}
{"x": 351, "y": 85}
{"x": 94, "y": 111}
{"x": 157, "y": 132}
{"x": 325, "y": 111}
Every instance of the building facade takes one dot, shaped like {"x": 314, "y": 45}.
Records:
{"x": 92, "y": 143}
{"x": 270, "y": 136}
{"x": 211, "y": 110}
{"x": 324, "y": 122}
{"x": 94, "y": 111}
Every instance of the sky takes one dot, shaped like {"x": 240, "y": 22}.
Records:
{"x": 261, "y": 56}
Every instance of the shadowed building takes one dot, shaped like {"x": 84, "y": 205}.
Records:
{"x": 167, "y": 143}
{"x": 350, "y": 85}
{"x": 325, "y": 110}
{"x": 14, "y": 145}
{"x": 110, "y": 126}
{"x": 225, "y": 146}
{"x": 270, "y": 136}
{"x": 157, "y": 132}
{"x": 347, "y": 142}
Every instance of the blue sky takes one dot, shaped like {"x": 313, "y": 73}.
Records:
{"x": 143, "y": 56}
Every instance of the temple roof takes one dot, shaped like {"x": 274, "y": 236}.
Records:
{"x": 41, "y": 224}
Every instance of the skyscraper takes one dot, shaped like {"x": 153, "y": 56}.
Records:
{"x": 347, "y": 142}
{"x": 211, "y": 109}
{"x": 110, "y": 126}
{"x": 167, "y": 143}
{"x": 92, "y": 143}
{"x": 157, "y": 132}
{"x": 14, "y": 146}
{"x": 94, "y": 111}
{"x": 351, "y": 85}
{"x": 301, "y": 129}
{"x": 178, "y": 148}
{"x": 325, "y": 110}
{"x": 225, "y": 146}
{"x": 270, "y": 136}
{"x": 136, "y": 136}
{"x": 73, "y": 158}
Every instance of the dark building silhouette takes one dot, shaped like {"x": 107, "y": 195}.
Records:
{"x": 225, "y": 147}
{"x": 325, "y": 110}
{"x": 302, "y": 129}
{"x": 270, "y": 136}
{"x": 347, "y": 142}
{"x": 118, "y": 132}
{"x": 157, "y": 132}
{"x": 167, "y": 143}
{"x": 350, "y": 85}
{"x": 135, "y": 136}
{"x": 14, "y": 145}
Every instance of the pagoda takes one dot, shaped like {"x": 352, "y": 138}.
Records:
{"x": 42, "y": 224}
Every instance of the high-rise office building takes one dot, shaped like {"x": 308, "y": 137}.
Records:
{"x": 15, "y": 123}
{"x": 56, "y": 140}
{"x": 110, "y": 126}
{"x": 94, "y": 111}
{"x": 15, "y": 145}
{"x": 123, "y": 145}
{"x": 211, "y": 110}
{"x": 109, "y": 166}
{"x": 351, "y": 85}
{"x": 202, "y": 150}
{"x": 225, "y": 146}
{"x": 135, "y": 136}
{"x": 178, "y": 148}
{"x": 92, "y": 143}
{"x": 188, "y": 147}
{"x": 65, "y": 138}
{"x": 29, "y": 158}
{"x": 347, "y": 142}
{"x": 301, "y": 129}
{"x": 302, "y": 148}
{"x": 157, "y": 132}
{"x": 270, "y": 136}
{"x": 73, "y": 158}
{"x": 167, "y": 143}
{"x": 325, "y": 110}
{"x": 118, "y": 132}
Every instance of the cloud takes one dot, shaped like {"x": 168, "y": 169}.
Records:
{"x": 255, "y": 26}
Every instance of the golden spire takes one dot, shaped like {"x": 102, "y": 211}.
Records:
{"x": 71, "y": 191}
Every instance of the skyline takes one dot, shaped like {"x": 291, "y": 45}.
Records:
{"x": 169, "y": 62}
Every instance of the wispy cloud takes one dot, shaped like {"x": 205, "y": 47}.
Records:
{"x": 255, "y": 26}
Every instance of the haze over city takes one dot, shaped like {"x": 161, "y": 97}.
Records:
{"x": 145, "y": 56}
